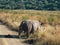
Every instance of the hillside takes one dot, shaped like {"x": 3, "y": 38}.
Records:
{"x": 30, "y": 4}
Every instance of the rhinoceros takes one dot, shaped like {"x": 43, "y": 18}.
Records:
{"x": 29, "y": 26}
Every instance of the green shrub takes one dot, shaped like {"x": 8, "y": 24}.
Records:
{"x": 25, "y": 17}
{"x": 50, "y": 19}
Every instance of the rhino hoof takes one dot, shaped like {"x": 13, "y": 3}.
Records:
{"x": 19, "y": 37}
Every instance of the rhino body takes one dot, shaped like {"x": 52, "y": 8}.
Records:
{"x": 29, "y": 26}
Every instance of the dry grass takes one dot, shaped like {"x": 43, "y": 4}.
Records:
{"x": 49, "y": 35}
{"x": 18, "y": 15}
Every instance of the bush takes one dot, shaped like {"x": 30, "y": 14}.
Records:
{"x": 25, "y": 17}
{"x": 50, "y": 19}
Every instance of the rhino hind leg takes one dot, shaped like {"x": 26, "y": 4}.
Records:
{"x": 27, "y": 34}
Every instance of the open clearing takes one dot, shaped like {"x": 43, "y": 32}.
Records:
{"x": 11, "y": 40}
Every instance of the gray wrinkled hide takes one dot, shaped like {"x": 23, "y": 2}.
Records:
{"x": 29, "y": 26}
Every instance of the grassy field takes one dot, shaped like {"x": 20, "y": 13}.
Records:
{"x": 50, "y": 34}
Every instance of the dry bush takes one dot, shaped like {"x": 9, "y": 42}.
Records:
{"x": 47, "y": 36}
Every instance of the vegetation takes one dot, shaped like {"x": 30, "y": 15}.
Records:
{"x": 50, "y": 19}
{"x": 48, "y": 37}
{"x": 30, "y": 4}
{"x": 15, "y": 16}
{"x": 25, "y": 17}
{"x": 48, "y": 34}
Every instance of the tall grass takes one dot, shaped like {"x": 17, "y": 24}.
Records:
{"x": 48, "y": 37}
{"x": 19, "y": 15}
{"x": 14, "y": 17}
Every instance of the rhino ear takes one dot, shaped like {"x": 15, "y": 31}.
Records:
{"x": 23, "y": 22}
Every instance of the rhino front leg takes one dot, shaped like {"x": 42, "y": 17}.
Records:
{"x": 19, "y": 34}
